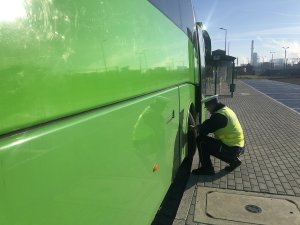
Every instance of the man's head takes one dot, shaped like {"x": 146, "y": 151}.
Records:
{"x": 211, "y": 103}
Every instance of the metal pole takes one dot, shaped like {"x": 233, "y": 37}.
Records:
{"x": 225, "y": 38}
{"x": 285, "y": 58}
{"x": 216, "y": 71}
{"x": 228, "y": 48}
{"x": 232, "y": 78}
{"x": 272, "y": 62}
{"x": 103, "y": 54}
{"x": 226, "y": 41}
{"x": 285, "y": 62}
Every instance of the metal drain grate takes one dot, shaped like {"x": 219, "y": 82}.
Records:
{"x": 253, "y": 209}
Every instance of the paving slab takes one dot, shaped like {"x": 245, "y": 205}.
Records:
{"x": 271, "y": 163}
{"x": 229, "y": 207}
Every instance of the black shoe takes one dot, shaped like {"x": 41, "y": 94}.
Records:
{"x": 204, "y": 171}
{"x": 232, "y": 166}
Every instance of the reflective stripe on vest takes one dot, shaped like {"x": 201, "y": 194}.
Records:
{"x": 232, "y": 134}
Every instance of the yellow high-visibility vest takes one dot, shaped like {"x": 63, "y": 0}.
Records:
{"x": 232, "y": 134}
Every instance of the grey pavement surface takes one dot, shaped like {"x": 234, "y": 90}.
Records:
{"x": 271, "y": 163}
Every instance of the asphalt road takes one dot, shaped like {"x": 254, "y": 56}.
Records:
{"x": 287, "y": 80}
{"x": 284, "y": 93}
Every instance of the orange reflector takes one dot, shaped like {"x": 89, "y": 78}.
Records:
{"x": 155, "y": 167}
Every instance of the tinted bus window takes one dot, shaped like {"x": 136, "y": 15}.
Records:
{"x": 179, "y": 12}
{"x": 187, "y": 15}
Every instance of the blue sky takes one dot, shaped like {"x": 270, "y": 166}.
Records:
{"x": 272, "y": 24}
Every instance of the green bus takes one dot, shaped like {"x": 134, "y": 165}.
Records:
{"x": 96, "y": 97}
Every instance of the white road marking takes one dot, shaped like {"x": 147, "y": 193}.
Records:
{"x": 281, "y": 93}
{"x": 287, "y": 99}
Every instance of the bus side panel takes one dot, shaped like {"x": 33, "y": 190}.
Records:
{"x": 63, "y": 57}
{"x": 187, "y": 98}
{"x": 93, "y": 169}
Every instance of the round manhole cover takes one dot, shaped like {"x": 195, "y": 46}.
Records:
{"x": 253, "y": 208}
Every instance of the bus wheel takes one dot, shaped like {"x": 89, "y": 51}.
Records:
{"x": 191, "y": 138}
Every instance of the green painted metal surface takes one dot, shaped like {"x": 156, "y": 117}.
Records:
{"x": 62, "y": 58}
{"x": 92, "y": 169}
{"x": 187, "y": 101}
{"x": 58, "y": 58}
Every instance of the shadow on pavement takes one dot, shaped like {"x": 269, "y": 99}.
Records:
{"x": 217, "y": 176}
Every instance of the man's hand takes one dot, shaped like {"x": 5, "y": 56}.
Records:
{"x": 192, "y": 127}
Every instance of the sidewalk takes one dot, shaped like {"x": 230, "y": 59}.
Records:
{"x": 271, "y": 163}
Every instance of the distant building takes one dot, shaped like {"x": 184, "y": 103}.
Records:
{"x": 245, "y": 70}
{"x": 254, "y": 56}
{"x": 254, "y": 59}
{"x": 252, "y": 51}
{"x": 218, "y": 52}
{"x": 266, "y": 66}
{"x": 278, "y": 63}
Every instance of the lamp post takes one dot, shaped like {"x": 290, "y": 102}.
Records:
{"x": 225, "y": 37}
{"x": 103, "y": 54}
{"x": 285, "y": 62}
{"x": 263, "y": 63}
{"x": 272, "y": 62}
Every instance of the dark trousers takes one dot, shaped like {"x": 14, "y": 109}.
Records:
{"x": 208, "y": 146}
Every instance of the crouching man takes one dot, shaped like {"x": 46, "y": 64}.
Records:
{"x": 228, "y": 143}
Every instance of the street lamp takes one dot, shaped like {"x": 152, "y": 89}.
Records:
{"x": 103, "y": 54}
{"x": 221, "y": 28}
{"x": 285, "y": 62}
{"x": 263, "y": 63}
{"x": 272, "y": 62}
